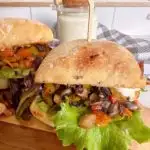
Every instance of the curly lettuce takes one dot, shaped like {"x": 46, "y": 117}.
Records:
{"x": 115, "y": 136}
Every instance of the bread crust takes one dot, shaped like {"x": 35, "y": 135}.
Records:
{"x": 99, "y": 63}
{"x": 38, "y": 114}
{"x": 18, "y": 32}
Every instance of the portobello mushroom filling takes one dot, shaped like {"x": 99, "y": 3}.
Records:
{"x": 104, "y": 104}
{"x": 17, "y": 70}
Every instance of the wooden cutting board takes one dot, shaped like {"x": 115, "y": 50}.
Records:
{"x": 14, "y": 137}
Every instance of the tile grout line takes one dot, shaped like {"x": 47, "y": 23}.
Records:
{"x": 113, "y": 19}
{"x": 31, "y": 13}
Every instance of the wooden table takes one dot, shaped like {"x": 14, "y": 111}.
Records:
{"x": 13, "y": 137}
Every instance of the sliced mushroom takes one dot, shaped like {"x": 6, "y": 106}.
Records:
{"x": 57, "y": 99}
{"x": 83, "y": 94}
{"x": 101, "y": 95}
{"x": 105, "y": 105}
{"x": 131, "y": 105}
{"x": 121, "y": 109}
{"x": 66, "y": 92}
{"x": 93, "y": 97}
{"x": 87, "y": 121}
{"x": 113, "y": 110}
{"x": 106, "y": 91}
{"x": 78, "y": 88}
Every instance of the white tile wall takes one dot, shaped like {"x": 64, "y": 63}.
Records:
{"x": 147, "y": 68}
{"x": 44, "y": 14}
{"x": 133, "y": 21}
{"x": 105, "y": 15}
{"x": 21, "y": 12}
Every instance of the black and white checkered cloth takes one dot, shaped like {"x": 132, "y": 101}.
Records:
{"x": 139, "y": 47}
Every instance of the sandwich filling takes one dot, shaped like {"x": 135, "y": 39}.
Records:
{"x": 90, "y": 117}
{"x": 17, "y": 69}
{"x": 103, "y": 103}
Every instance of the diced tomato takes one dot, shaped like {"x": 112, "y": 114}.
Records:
{"x": 102, "y": 118}
{"x": 7, "y": 53}
{"x": 42, "y": 54}
{"x": 127, "y": 112}
{"x": 27, "y": 64}
{"x": 24, "y": 53}
{"x": 112, "y": 99}
{"x": 95, "y": 108}
{"x": 136, "y": 102}
{"x": 47, "y": 91}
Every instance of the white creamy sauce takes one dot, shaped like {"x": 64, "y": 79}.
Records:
{"x": 128, "y": 92}
{"x": 72, "y": 26}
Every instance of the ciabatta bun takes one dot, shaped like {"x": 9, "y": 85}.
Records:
{"x": 18, "y": 32}
{"x": 99, "y": 63}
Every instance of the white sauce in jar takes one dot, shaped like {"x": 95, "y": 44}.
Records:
{"x": 74, "y": 25}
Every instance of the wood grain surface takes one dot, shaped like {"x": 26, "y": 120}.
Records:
{"x": 14, "y": 137}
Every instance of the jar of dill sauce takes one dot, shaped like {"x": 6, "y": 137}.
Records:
{"x": 72, "y": 23}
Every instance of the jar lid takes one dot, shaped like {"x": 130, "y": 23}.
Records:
{"x": 75, "y": 3}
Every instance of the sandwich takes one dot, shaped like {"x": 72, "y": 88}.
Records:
{"x": 23, "y": 45}
{"x": 89, "y": 93}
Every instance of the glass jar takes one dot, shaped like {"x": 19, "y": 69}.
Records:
{"x": 72, "y": 23}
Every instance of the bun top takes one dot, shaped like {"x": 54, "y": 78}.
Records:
{"x": 17, "y": 32}
{"x": 99, "y": 63}
{"x": 75, "y": 3}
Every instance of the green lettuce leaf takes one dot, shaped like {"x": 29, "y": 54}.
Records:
{"x": 9, "y": 73}
{"x": 96, "y": 138}
{"x": 136, "y": 128}
{"x": 115, "y": 136}
{"x": 43, "y": 106}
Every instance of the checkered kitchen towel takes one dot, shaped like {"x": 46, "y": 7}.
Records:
{"x": 139, "y": 47}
